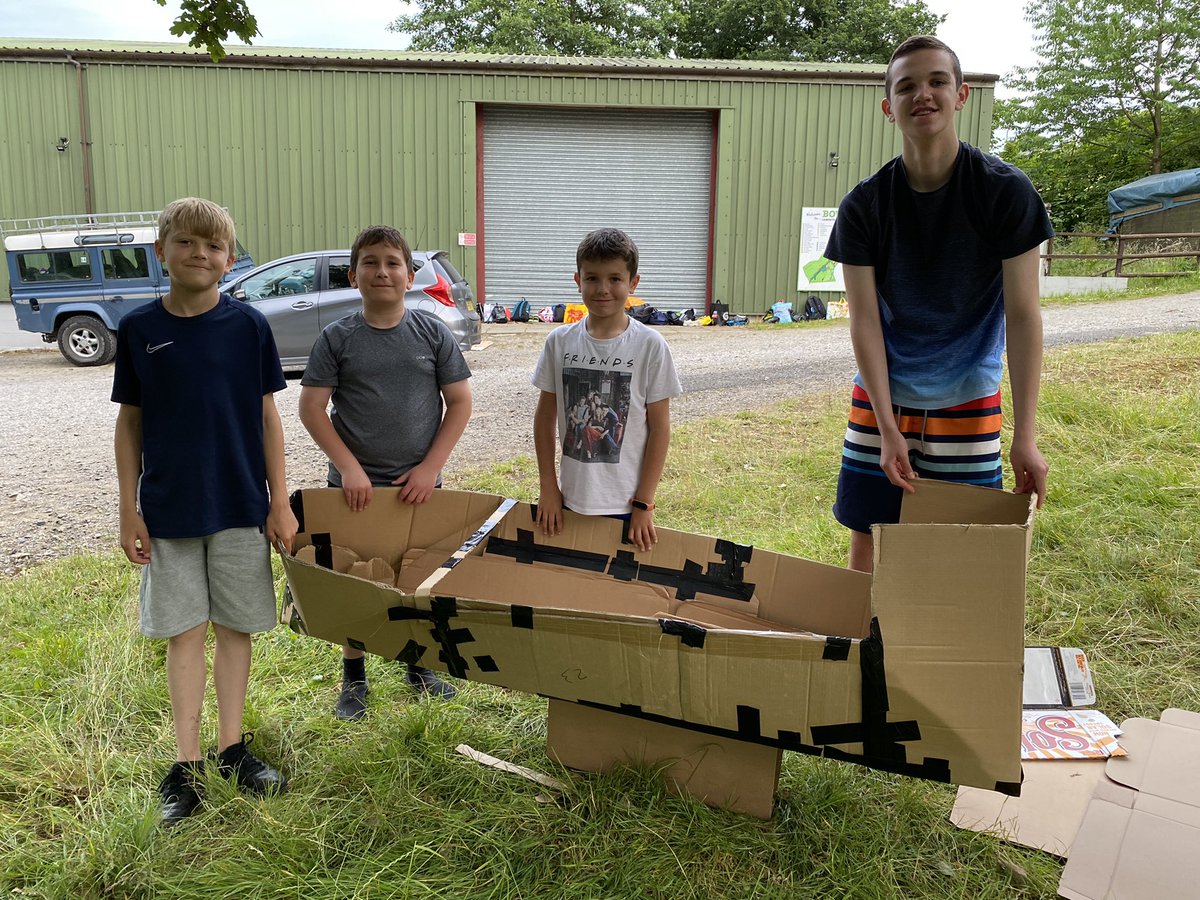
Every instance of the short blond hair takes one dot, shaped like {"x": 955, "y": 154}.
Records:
{"x": 196, "y": 215}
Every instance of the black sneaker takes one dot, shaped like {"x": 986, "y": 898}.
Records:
{"x": 180, "y": 791}
{"x": 426, "y": 683}
{"x": 251, "y": 773}
{"x": 352, "y": 701}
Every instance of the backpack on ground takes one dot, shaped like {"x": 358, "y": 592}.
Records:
{"x": 545, "y": 314}
{"x": 642, "y": 313}
{"x": 674, "y": 318}
{"x": 658, "y": 317}
{"x": 520, "y": 311}
{"x": 560, "y": 311}
{"x": 814, "y": 308}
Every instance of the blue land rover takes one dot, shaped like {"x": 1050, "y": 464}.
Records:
{"x": 72, "y": 278}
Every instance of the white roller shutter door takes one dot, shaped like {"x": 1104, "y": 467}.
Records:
{"x": 550, "y": 176}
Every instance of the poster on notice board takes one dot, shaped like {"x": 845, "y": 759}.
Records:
{"x": 816, "y": 272}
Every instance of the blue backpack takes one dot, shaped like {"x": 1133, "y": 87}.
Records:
{"x": 520, "y": 311}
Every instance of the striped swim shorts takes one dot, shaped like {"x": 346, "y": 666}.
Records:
{"x": 960, "y": 443}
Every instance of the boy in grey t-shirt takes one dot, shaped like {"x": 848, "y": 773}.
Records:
{"x": 389, "y": 372}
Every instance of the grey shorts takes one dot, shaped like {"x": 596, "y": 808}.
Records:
{"x": 223, "y": 578}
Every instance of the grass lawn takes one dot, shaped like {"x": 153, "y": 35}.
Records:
{"x": 385, "y": 808}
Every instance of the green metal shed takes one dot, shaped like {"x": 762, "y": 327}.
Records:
{"x": 503, "y": 160}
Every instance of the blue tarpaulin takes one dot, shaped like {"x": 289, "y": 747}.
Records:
{"x": 1160, "y": 191}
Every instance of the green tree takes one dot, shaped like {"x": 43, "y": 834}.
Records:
{"x": 210, "y": 22}
{"x": 826, "y": 30}
{"x": 1110, "y": 71}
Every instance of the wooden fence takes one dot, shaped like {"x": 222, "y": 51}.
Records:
{"x": 1174, "y": 245}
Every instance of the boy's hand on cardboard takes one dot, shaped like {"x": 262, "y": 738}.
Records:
{"x": 135, "y": 538}
{"x": 641, "y": 529}
{"x": 281, "y": 526}
{"x": 418, "y": 483}
{"x": 1029, "y": 469}
{"x": 357, "y": 488}
{"x": 550, "y": 510}
{"x": 893, "y": 459}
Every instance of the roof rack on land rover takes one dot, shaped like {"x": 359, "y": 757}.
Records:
{"x": 78, "y": 223}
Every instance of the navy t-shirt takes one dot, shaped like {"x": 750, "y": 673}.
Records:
{"x": 200, "y": 383}
{"x": 938, "y": 276}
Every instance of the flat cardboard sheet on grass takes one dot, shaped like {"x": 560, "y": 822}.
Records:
{"x": 916, "y": 669}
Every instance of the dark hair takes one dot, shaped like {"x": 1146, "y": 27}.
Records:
{"x": 912, "y": 45}
{"x": 607, "y": 243}
{"x": 380, "y": 234}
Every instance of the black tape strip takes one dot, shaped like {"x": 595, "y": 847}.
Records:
{"x": 324, "y": 548}
{"x": 853, "y": 732}
{"x": 691, "y": 580}
{"x": 297, "y": 504}
{"x": 522, "y": 616}
{"x": 836, "y": 648}
{"x": 625, "y": 523}
{"x": 623, "y": 566}
{"x": 689, "y": 635}
{"x": 932, "y": 769}
{"x": 357, "y": 645}
{"x": 442, "y": 610}
{"x": 877, "y": 742}
{"x": 486, "y": 664}
{"x": 405, "y": 613}
{"x": 411, "y": 653}
{"x": 451, "y": 563}
{"x": 524, "y": 550}
{"x": 735, "y": 556}
{"x": 749, "y": 721}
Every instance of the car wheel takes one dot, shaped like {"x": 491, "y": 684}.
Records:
{"x": 86, "y": 341}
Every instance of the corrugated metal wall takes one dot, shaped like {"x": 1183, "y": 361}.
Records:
{"x": 304, "y": 156}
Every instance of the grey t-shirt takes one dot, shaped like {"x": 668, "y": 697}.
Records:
{"x": 387, "y": 400}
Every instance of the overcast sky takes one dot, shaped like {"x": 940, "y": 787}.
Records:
{"x": 989, "y": 37}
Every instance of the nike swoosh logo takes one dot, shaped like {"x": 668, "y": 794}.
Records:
{"x": 151, "y": 349}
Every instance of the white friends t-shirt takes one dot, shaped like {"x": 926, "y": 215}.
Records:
{"x": 603, "y": 388}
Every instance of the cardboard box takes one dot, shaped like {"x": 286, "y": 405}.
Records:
{"x": 1140, "y": 836}
{"x": 915, "y": 670}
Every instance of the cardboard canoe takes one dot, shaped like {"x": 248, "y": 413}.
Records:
{"x": 915, "y": 670}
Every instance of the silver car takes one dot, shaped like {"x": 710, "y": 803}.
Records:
{"x": 303, "y": 293}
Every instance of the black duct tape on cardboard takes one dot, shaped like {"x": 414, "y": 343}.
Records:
{"x": 1009, "y": 788}
{"x": 932, "y": 769}
{"x": 297, "y": 503}
{"x": 877, "y": 741}
{"x": 623, "y": 567}
{"x": 524, "y": 550}
{"x": 689, "y": 634}
{"x": 692, "y": 580}
{"x": 853, "y": 732}
{"x": 324, "y": 549}
{"x": 411, "y": 653}
{"x": 749, "y": 722}
{"x": 522, "y": 616}
{"x": 486, "y": 664}
{"x": 405, "y": 613}
{"x": 442, "y": 610}
{"x": 836, "y": 648}
{"x": 357, "y": 645}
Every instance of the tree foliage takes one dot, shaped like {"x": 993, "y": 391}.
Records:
{"x": 1115, "y": 97}
{"x": 210, "y": 22}
{"x": 825, "y": 30}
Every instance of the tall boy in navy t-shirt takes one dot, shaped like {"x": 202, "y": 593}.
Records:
{"x": 940, "y": 255}
{"x": 200, "y": 468}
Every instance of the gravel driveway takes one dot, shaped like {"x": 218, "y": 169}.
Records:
{"x": 59, "y": 488}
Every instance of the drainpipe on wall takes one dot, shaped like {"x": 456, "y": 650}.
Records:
{"x": 84, "y": 139}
